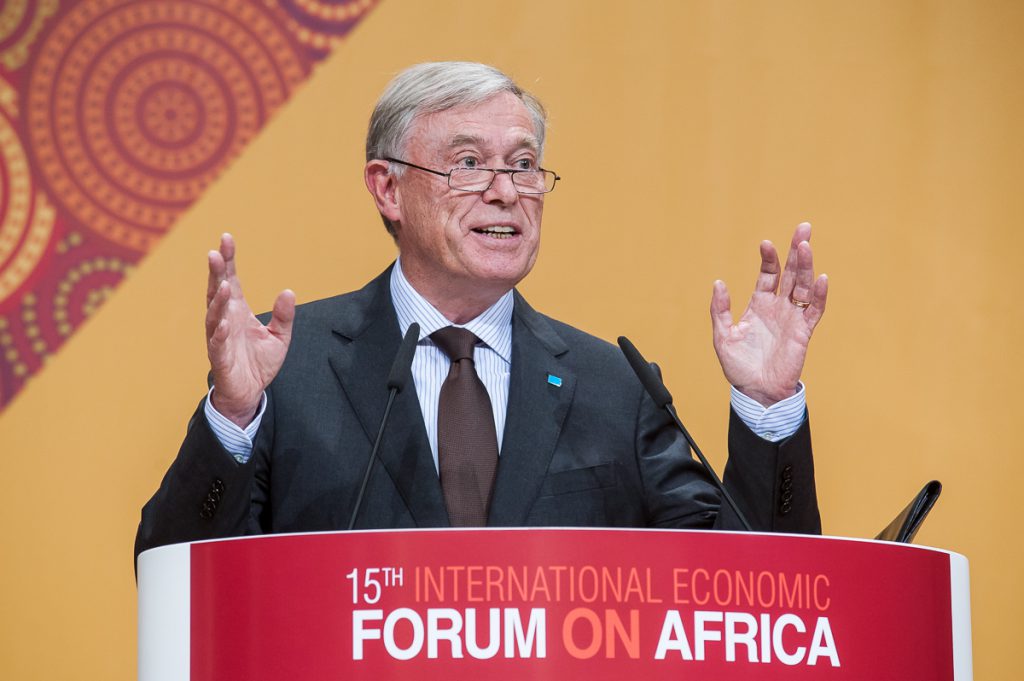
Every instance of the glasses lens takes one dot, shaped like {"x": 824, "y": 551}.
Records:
{"x": 470, "y": 179}
{"x": 479, "y": 179}
{"x": 532, "y": 181}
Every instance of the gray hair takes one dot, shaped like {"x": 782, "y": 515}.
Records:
{"x": 438, "y": 86}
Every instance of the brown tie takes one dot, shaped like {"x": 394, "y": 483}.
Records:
{"x": 467, "y": 445}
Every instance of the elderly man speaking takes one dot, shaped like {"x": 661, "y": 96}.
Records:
{"x": 516, "y": 419}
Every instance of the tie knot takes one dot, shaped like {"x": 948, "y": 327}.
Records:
{"x": 455, "y": 342}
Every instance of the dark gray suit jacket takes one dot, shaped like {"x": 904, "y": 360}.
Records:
{"x": 593, "y": 452}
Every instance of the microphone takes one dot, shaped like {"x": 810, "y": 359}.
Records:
{"x": 655, "y": 387}
{"x": 401, "y": 371}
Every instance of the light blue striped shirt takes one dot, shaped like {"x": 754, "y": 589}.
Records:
{"x": 776, "y": 422}
{"x": 493, "y": 359}
{"x": 492, "y": 356}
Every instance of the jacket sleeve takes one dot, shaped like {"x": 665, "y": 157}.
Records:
{"x": 206, "y": 494}
{"x": 771, "y": 482}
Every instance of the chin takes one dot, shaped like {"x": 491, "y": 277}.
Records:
{"x": 506, "y": 277}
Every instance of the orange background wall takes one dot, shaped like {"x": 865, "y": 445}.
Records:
{"x": 685, "y": 132}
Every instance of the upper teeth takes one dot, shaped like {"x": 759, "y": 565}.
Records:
{"x": 503, "y": 229}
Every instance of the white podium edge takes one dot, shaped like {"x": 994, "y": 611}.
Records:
{"x": 165, "y": 585}
{"x": 960, "y": 593}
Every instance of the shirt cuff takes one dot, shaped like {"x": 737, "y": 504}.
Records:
{"x": 237, "y": 441}
{"x": 773, "y": 423}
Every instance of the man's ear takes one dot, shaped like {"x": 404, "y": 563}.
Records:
{"x": 384, "y": 187}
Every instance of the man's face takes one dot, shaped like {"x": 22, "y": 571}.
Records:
{"x": 456, "y": 244}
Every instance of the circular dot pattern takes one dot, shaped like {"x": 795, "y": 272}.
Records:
{"x": 321, "y": 23}
{"x": 133, "y": 108}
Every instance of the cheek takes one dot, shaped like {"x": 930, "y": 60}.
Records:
{"x": 452, "y": 215}
{"x": 534, "y": 212}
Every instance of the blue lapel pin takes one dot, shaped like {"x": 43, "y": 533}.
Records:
{"x": 554, "y": 380}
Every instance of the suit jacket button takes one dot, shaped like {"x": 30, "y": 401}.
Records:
{"x": 785, "y": 508}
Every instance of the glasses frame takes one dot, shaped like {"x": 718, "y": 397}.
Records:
{"x": 494, "y": 173}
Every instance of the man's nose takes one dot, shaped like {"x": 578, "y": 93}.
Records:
{"x": 502, "y": 190}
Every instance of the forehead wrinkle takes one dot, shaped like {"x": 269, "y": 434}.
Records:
{"x": 524, "y": 142}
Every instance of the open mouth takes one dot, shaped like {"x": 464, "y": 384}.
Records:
{"x": 497, "y": 231}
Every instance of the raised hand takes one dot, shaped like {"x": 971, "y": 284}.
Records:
{"x": 763, "y": 354}
{"x": 244, "y": 354}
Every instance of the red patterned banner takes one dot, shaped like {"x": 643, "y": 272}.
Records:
{"x": 115, "y": 116}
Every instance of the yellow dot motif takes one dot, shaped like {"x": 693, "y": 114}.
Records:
{"x": 108, "y": 270}
{"x": 20, "y": 23}
{"x": 26, "y": 216}
{"x": 322, "y": 24}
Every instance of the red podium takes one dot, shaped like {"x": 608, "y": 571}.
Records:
{"x": 552, "y": 604}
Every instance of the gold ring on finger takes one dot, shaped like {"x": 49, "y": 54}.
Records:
{"x": 799, "y": 303}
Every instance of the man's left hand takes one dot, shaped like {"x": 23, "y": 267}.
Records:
{"x": 763, "y": 354}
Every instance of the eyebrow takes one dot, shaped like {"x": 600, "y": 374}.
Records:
{"x": 524, "y": 142}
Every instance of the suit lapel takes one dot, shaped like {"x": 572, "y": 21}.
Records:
{"x": 536, "y": 412}
{"x": 366, "y": 340}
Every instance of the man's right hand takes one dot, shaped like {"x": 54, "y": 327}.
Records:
{"x": 244, "y": 354}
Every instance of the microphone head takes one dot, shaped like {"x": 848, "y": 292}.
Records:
{"x": 401, "y": 369}
{"x": 648, "y": 377}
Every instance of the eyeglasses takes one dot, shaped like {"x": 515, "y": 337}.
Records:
{"x": 538, "y": 181}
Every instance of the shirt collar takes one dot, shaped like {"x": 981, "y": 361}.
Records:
{"x": 493, "y": 326}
